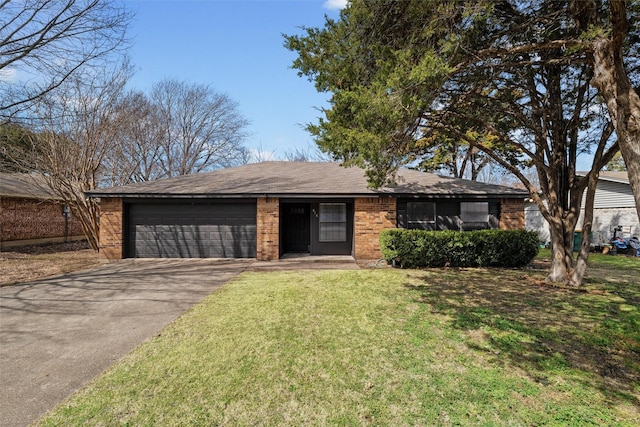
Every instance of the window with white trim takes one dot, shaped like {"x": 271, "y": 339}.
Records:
{"x": 333, "y": 222}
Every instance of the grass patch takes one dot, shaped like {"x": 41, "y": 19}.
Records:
{"x": 381, "y": 347}
{"x": 599, "y": 260}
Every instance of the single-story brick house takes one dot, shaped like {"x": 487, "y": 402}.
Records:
{"x": 265, "y": 210}
{"x": 30, "y": 214}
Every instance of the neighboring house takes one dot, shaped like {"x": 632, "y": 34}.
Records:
{"x": 264, "y": 210}
{"x": 614, "y": 207}
{"x": 30, "y": 214}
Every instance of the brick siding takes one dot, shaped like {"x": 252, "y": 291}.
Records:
{"x": 512, "y": 214}
{"x": 267, "y": 225}
{"x": 111, "y": 242}
{"x": 371, "y": 216}
{"x": 31, "y": 219}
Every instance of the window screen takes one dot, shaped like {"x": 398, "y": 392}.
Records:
{"x": 333, "y": 222}
{"x": 477, "y": 212}
{"x": 420, "y": 213}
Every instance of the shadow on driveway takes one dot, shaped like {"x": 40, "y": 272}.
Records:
{"x": 58, "y": 334}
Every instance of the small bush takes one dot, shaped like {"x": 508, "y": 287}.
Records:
{"x": 480, "y": 248}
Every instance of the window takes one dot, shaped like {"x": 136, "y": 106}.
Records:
{"x": 475, "y": 212}
{"x": 333, "y": 222}
{"x": 421, "y": 215}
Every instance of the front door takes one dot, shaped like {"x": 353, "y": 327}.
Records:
{"x": 296, "y": 228}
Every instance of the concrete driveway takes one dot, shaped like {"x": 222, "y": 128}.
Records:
{"x": 58, "y": 334}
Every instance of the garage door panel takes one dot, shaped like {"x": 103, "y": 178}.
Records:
{"x": 192, "y": 230}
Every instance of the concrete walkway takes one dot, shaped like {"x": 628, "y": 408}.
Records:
{"x": 307, "y": 262}
{"x": 56, "y": 335}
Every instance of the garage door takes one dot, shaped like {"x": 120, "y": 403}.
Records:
{"x": 191, "y": 230}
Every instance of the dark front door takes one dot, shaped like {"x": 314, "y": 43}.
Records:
{"x": 296, "y": 227}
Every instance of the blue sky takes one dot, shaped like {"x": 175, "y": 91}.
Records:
{"x": 237, "y": 48}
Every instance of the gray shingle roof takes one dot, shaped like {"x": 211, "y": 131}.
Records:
{"x": 614, "y": 176}
{"x": 24, "y": 186}
{"x": 622, "y": 177}
{"x": 302, "y": 179}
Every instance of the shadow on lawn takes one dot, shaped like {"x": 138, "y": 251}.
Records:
{"x": 516, "y": 319}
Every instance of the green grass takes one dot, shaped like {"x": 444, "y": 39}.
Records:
{"x": 383, "y": 347}
{"x": 599, "y": 260}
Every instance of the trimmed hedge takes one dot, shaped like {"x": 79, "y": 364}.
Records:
{"x": 479, "y": 248}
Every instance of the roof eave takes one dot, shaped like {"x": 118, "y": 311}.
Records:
{"x": 32, "y": 197}
{"x": 301, "y": 195}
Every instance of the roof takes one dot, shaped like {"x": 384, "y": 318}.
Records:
{"x": 621, "y": 177}
{"x": 24, "y": 186}
{"x": 302, "y": 179}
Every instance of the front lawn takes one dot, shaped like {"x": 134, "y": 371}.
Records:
{"x": 384, "y": 347}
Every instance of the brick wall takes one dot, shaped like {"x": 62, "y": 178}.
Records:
{"x": 372, "y": 215}
{"x": 512, "y": 214}
{"x": 111, "y": 244}
{"x": 267, "y": 229}
{"x": 31, "y": 219}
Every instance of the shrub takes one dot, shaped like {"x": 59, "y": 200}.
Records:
{"x": 480, "y": 248}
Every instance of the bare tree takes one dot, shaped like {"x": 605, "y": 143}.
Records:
{"x": 45, "y": 42}
{"x": 136, "y": 156}
{"x": 260, "y": 154}
{"x": 200, "y": 128}
{"x": 75, "y": 128}
{"x": 308, "y": 154}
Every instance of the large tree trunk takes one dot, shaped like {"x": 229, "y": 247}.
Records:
{"x": 623, "y": 103}
{"x": 562, "y": 266}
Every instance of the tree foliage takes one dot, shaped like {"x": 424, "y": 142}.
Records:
{"x": 15, "y": 142}
{"x": 616, "y": 164}
{"x": 512, "y": 80}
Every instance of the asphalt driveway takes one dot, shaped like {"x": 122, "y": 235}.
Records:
{"x": 58, "y": 334}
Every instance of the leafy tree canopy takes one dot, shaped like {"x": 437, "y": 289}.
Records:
{"x": 409, "y": 77}
{"x": 616, "y": 164}
{"x": 16, "y": 143}
{"x": 526, "y": 83}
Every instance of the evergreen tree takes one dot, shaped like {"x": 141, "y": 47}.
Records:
{"x": 512, "y": 80}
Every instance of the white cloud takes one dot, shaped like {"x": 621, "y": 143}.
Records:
{"x": 7, "y": 75}
{"x": 259, "y": 154}
{"x": 335, "y": 4}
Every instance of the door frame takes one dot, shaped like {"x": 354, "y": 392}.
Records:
{"x": 316, "y": 247}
